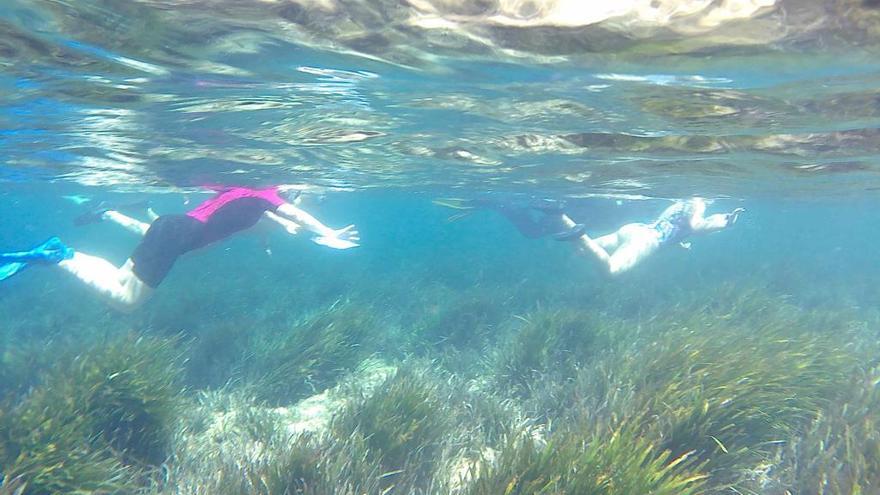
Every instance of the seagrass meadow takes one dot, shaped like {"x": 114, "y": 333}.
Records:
{"x": 452, "y": 358}
{"x": 463, "y": 345}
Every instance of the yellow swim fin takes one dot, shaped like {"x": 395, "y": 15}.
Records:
{"x": 459, "y": 216}
{"x": 456, "y": 204}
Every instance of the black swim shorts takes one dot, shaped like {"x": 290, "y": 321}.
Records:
{"x": 169, "y": 237}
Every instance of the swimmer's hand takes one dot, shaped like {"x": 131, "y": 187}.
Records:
{"x": 344, "y": 238}
{"x": 291, "y": 227}
{"x": 734, "y": 215}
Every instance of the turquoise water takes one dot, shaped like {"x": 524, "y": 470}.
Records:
{"x": 445, "y": 354}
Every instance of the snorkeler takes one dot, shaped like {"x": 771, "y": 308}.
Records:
{"x": 623, "y": 249}
{"x": 168, "y": 237}
{"x": 533, "y": 218}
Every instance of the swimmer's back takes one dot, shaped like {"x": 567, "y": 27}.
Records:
{"x": 674, "y": 224}
{"x": 233, "y": 210}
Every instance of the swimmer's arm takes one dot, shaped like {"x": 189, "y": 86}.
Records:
{"x": 303, "y": 218}
{"x": 712, "y": 223}
{"x": 290, "y": 226}
{"x": 343, "y": 238}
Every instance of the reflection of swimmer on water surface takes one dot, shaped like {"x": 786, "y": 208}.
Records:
{"x": 168, "y": 237}
{"x": 618, "y": 251}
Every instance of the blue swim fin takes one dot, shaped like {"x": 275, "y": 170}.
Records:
{"x": 571, "y": 234}
{"x": 52, "y": 251}
{"x": 9, "y": 269}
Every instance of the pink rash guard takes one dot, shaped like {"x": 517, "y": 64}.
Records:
{"x": 207, "y": 209}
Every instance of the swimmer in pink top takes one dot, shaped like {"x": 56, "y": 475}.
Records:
{"x": 231, "y": 210}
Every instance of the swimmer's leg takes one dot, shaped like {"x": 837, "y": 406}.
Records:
{"x": 590, "y": 247}
{"x": 535, "y": 219}
{"x": 105, "y": 212}
{"x": 608, "y": 242}
{"x": 525, "y": 222}
{"x": 570, "y": 234}
{"x": 630, "y": 244}
{"x": 638, "y": 242}
{"x": 129, "y": 223}
{"x": 119, "y": 286}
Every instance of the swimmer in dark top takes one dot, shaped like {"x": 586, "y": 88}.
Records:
{"x": 613, "y": 253}
{"x": 533, "y": 218}
{"x": 168, "y": 237}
